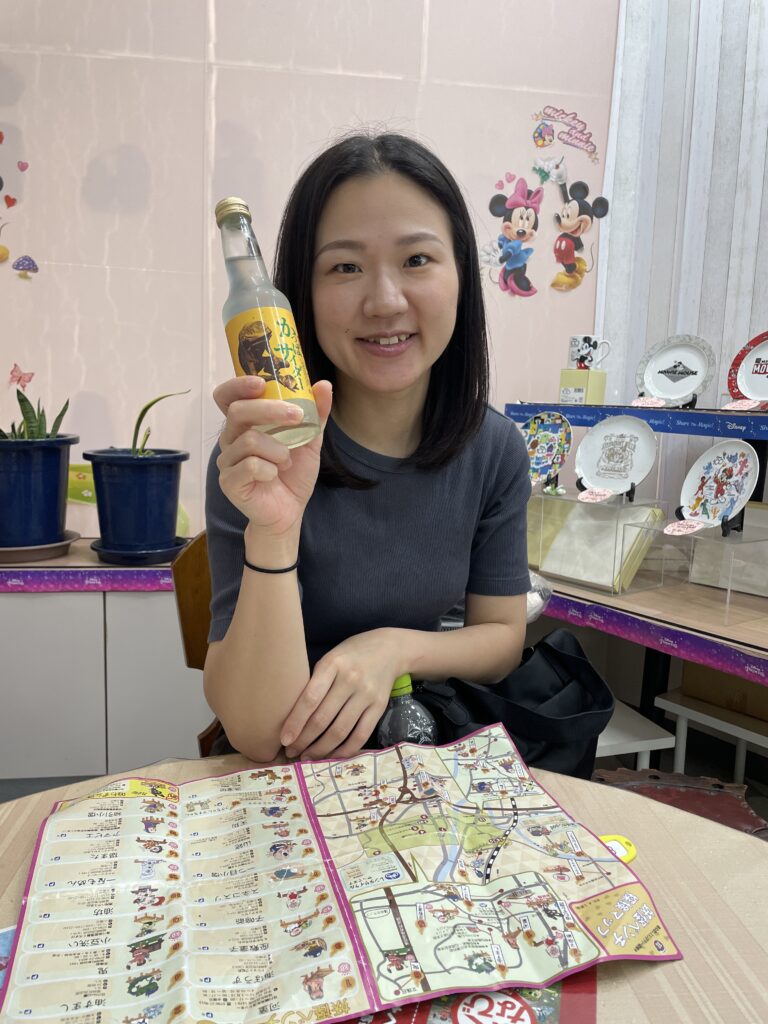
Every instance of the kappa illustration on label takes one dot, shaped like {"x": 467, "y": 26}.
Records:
{"x": 264, "y": 343}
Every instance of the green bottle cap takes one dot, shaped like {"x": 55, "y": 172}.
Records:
{"x": 402, "y": 685}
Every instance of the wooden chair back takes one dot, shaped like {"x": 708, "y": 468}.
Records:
{"x": 192, "y": 587}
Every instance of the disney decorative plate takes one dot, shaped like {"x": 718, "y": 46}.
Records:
{"x": 720, "y": 482}
{"x": 676, "y": 369}
{"x": 617, "y": 452}
{"x": 748, "y": 375}
{"x": 548, "y": 438}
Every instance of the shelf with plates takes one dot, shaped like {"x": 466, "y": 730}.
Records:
{"x": 632, "y": 616}
{"x": 699, "y": 422}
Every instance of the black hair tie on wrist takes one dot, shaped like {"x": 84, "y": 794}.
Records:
{"x": 258, "y": 568}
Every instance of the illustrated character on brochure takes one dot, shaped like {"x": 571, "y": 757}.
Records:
{"x": 575, "y": 219}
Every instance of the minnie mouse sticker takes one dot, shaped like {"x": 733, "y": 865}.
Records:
{"x": 520, "y": 222}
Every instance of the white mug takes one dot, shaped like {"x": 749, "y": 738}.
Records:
{"x": 587, "y": 350}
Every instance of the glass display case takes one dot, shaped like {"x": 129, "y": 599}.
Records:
{"x": 584, "y": 542}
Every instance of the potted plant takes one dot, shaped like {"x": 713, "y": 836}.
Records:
{"x": 137, "y": 497}
{"x": 34, "y": 464}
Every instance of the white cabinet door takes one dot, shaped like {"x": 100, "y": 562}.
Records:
{"x": 52, "y": 699}
{"x": 155, "y": 704}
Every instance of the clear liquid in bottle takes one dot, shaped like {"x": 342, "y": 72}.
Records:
{"x": 260, "y": 327}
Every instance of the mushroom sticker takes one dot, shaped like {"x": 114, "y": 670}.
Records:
{"x": 25, "y": 266}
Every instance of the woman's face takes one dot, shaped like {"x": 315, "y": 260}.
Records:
{"x": 385, "y": 286}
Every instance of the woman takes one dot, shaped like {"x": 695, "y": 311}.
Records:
{"x": 412, "y": 500}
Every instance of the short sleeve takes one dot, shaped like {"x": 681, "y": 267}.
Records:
{"x": 499, "y": 561}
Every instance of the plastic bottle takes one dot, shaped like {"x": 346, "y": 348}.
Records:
{"x": 260, "y": 327}
{"x": 405, "y": 719}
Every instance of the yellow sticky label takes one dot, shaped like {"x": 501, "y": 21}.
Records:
{"x": 263, "y": 342}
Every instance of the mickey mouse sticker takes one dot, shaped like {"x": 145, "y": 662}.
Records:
{"x": 575, "y": 219}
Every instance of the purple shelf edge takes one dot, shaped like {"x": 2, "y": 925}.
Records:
{"x": 62, "y": 581}
{"x": 668, "y": 639}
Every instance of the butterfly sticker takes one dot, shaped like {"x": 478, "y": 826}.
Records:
{"x": 20, "y": 378}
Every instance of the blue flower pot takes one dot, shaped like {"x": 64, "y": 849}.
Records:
{"x": 137, "y": 497}
{"x": 33, "y": 490}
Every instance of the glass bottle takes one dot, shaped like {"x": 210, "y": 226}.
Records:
{"x": 260, "y": 327}
{"x": 405, "y": 719}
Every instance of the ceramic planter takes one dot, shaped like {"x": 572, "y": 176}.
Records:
{"x": 137, "y": 499}
{"x": 33, "y": 490}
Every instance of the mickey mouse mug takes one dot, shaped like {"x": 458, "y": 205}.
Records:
{"x": 587, "y": 352}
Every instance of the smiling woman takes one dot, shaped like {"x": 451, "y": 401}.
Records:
{"x": 413, "y": 499}
{"x": 384, "y": 298}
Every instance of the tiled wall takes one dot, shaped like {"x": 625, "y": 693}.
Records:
{"x": 134, "y": 118}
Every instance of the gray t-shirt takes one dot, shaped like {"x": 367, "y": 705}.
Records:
{"x": 402, "y": 553}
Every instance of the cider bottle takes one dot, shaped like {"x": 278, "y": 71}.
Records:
{"x": 260, "y": 327}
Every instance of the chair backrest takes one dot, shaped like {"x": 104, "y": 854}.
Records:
{"x": 192, "y": 586}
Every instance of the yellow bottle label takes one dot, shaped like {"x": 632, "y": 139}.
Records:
{"x": 264, "y": 343}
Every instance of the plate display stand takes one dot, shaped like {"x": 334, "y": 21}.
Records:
{"x": 690, "y": 404}
{"x": 736, "y": 562}
{"x": 629, "y": 494}
{"x": 572, "y": 540}
{"x": 727, "y": 526}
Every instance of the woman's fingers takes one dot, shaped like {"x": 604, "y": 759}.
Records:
{"x": 245, "y": 413}
{"x": 237, "y": 479}
{"x": 356, "y": 739}
{"x": 253, "y": 443}
{"x": 296, "y": 733}
{"x": 338, "y": 731}
{"x": 237, "y": 388}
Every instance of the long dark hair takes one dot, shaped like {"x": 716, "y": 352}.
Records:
{"x": 458, "y": 386}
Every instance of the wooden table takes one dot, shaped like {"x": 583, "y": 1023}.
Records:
{"x": 708, "y": 882}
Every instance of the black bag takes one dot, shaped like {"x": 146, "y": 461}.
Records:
{"x": 554, "y": 706}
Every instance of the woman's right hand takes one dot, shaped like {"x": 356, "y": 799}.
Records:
{"x": 269, "y": 483}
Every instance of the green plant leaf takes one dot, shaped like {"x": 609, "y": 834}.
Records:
{"x": 41, "y": 423}
{"x": 143, "y": 446}
{"x": 57, "y": 422}
{"x": 3, "y": 435}
{"x": 28, "y": 412}
{"x": 134, "y": 449}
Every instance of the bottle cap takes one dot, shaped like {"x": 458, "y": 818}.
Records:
{"x": 231, "y": 204}
{"x": 402, "y": 685}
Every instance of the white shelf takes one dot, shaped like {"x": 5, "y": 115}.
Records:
{"x": 743, "y": 728}
{"x": 629, "y": 732}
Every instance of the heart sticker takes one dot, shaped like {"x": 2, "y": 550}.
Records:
{"x": 509, "y": 176}
{"x": 499, "y": 184}
{"x": 22, "y": 165}
{"x": 10, "y": 201}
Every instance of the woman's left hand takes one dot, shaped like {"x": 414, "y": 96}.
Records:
{"x": 346, "y": 696}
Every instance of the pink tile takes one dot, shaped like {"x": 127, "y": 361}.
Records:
{"x": 115, "y": 150}
{"x": 543, "y": 45}
{"x": 173, "y": 28}
{"x": 340, "y": 36}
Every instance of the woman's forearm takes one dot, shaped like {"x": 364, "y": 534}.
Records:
{"x": 483, "y": 653}
{"x": 254, "y": 675}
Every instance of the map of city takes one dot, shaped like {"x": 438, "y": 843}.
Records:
{"x": 461, "y": 869}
